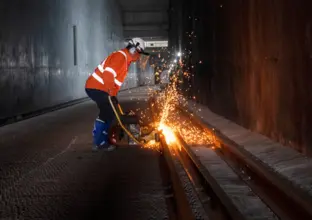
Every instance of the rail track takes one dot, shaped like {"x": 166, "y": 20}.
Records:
{"x": 221, "y": 182}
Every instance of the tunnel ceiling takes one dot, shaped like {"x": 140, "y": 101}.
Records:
{"x": 147, "y": 19}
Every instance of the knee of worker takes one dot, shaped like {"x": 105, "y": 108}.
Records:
{"x": 106, "y": 114}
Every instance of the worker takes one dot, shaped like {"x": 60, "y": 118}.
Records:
{"x": 105, "y": 82}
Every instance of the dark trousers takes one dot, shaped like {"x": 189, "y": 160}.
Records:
{"x": 101, "y": 99}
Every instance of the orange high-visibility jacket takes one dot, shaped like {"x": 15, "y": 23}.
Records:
{"x": 111, "y": 73}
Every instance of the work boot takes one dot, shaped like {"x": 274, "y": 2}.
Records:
{"x": 100, "y": 136}
{"x": 100, "y": 132}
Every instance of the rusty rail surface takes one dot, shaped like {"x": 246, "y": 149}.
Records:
{"x": 285, "y": 200}
{"x": 279, "y": 196}
{"x": 196, "y": 193}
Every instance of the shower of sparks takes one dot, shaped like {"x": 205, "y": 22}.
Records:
{"x": 152, "y": 144}
{"x": 171, "y": 120}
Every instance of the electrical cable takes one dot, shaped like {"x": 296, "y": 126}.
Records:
{"x": 121, "y": 124}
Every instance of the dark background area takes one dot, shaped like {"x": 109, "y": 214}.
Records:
{"x": 251, "y": 59}
{"x": 256, "y": 62}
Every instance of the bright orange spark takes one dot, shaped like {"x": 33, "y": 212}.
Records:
{"x": 171, "y": 121}
{"x": 152, "y": 144}
{"x": 168, "y": 133}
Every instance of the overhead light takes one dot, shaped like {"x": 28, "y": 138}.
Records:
{"x": 156, "y": 43}
{"x": 175, "y": 61}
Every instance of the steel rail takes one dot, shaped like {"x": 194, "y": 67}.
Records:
{"x": 287, "y": 201}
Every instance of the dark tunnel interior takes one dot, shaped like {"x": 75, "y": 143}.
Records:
{"x": 250, "y": 60}
{"x": 218, "y": 93}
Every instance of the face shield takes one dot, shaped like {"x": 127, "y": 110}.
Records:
{"x": 136, "y": 49}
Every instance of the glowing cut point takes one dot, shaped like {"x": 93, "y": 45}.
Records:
{"x": 168, "y": 133}
{"x": 179, "y": 54}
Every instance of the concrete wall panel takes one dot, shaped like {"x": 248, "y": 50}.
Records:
{"x": 37, "y": 49}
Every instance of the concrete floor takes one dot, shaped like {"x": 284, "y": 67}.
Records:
{"x": 47, "y": 171}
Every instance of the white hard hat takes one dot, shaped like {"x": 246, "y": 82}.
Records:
{"x": 138, "y": 43}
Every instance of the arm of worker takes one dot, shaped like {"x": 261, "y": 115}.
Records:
{"x": 116, "y": 66}
{"x": 123, "y": 74}
{"x": 120, "y": 78}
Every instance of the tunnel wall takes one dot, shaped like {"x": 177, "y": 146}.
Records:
{"x": 252, "y": 63}
{"x": 140, "y": 73}
{"x": 38, "y": 65}
{"x": 132, "y": 79}
{"x": 147, "y": 76}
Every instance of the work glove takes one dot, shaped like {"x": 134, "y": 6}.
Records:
{"x": 114, "y": 100}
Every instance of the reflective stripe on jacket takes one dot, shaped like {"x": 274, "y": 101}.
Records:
{"x": 111, "y": 73}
